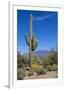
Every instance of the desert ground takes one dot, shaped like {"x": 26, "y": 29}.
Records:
{"x": 49, "y": 74}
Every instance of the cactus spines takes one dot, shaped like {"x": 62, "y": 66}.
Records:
{"x": 31, "y": 41}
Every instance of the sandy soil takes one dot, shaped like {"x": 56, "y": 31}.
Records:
{"x": 50, "y": 74}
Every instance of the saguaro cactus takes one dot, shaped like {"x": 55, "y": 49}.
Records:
{"x": 31, "y": 41}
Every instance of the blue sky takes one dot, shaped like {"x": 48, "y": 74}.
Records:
{"x": 44, "y": 25}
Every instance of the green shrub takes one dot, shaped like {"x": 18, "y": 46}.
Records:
{"x": 49, "y": 67}
{"x": 20, "y": 74}
{"x": 20, "y": 65}
{"x": 45, "y": 61}
{"x": 54, "y": 67}
{"x": 40, "y": 70}
{"x": 28, "y": 71}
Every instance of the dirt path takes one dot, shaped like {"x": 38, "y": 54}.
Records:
{"x": 51, "y": 74}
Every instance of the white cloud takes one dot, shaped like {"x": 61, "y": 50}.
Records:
{"x": 42, "y": 18}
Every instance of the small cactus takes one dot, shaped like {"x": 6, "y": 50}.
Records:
{"x": 31, "y": 41}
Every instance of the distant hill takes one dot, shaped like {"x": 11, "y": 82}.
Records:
{"x": 39, "y": 53}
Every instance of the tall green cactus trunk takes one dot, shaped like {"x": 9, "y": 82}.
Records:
{"x": 31, "y": 42}
{"x": 30, "y": 51}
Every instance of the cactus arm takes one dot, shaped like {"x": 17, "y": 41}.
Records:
{"x": 27, "y": 40}
{"x": 34, "y": 45}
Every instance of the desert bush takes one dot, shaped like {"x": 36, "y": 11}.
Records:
{"x": 26, "y": 61}
{"x": 29, "y": 73}
{"x": 20, "y": 74}
{"x": 40, "y": 70}
{"x": 45, "y": 61}
{"x": 33, "y": 60}
{"x": 53, "y": 57}
{"x": 49, "y": 67}
{"x": 20, "y": 65}
{"x": 54, "y": 67}
{"x": 34, "y": 65}
{"x": 20, "y": 60}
